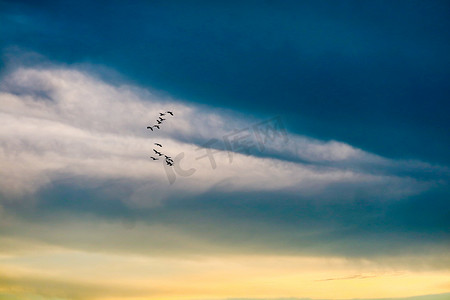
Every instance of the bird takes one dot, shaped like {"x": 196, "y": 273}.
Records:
{"x": 157, "y": 126}
{"x": 158, "y": 121}
{"x": 153, "y": 158}
{"x": 171, "y": 113}
{"x": 161, "y": 114}
{"x": 168, "y": 157}
{"x": 156, "y": 152}
{"x": 161, "y": 119}
{"x": 169, "y": 163}
{"x": 150, "y": 127}
{"x": 158, "y": 144}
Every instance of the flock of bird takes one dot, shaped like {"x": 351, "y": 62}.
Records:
{"x": 159, "y": 121}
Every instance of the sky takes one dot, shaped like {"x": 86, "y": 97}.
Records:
{"x": 310, "y": 142}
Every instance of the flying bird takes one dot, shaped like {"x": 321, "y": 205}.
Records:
{"x": 153, "y": 158}
{"x": 161, "y": 114}
{"x": 169, "y": 163}
{"x": 157, "y": 126}
{"x": 150, "y": 127}
{"x": 158, "y": 121}
{"x": 171, "y": 113}
{"x": 161, "y": 119}
{"x": 158, "y": 144}
{"x": 168, "y": 157}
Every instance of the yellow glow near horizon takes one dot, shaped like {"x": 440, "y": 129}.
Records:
{"x": 105, "y": 276}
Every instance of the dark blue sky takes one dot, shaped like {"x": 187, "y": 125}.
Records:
{"x": 372, "y": 74}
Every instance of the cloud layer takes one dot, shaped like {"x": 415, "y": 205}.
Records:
{"x": 70, "y": 141}
{"x": 76, "y": 181}
{"x": 60, "y": 122}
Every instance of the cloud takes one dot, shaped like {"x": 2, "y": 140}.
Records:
{"x": 74, "y": 145}
{"x": 358, "y": 276}
{"x": 58, "y": 122}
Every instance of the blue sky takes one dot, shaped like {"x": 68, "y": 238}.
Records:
{"x": 360, "y": 87}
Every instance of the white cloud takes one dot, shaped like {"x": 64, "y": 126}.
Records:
{"x": 62, "y": 122}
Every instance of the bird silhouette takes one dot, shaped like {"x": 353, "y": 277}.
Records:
{"x": 158, "y": 144}
{"x": 153, "y": 158}
{"x": 169, "y": 163}
{"x": 161, "y": 114}
{"x": 168, "y": 157}
{"x": 158, "y": 121}
{"x": 171, "y": 113}
{"x": 150, "y": 127}
{"x": 157, "y": 126}
{"x": 161, "y": 119}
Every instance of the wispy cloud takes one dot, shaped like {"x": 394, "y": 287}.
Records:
{"x": 358, "y": 276}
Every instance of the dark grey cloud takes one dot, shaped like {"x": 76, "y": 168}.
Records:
{"x": 405, "y": 233}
